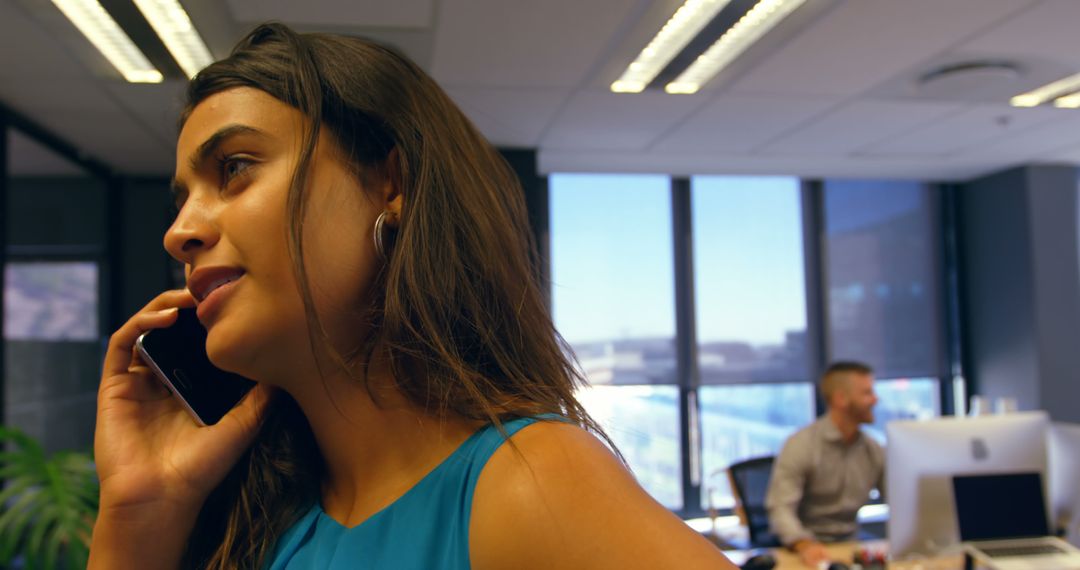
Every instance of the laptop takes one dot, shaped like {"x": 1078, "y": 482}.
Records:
{"x": 1003, "y": 523}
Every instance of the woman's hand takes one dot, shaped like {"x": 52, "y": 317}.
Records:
{"x": 155, "y": 464}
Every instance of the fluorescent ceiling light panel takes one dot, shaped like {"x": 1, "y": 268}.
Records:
{"x": 102, "y": 31}
{"x": 1071, "y": 101}
{"x": 174, "y": 27}
{"x": 764, "y": 16}
{"x": 683, "y": 25}
{"x": 1047, "y": 92}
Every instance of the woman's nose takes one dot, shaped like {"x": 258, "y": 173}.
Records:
{"x": 193, "y": 231}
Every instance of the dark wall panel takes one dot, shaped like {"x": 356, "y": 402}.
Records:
{"x": 523, "y": 162}
{"x": 1021, "y": 287}
{"x": 1052, "y": 209}
{"x": 147, "y": 269}
{"x": 56, "y": 212}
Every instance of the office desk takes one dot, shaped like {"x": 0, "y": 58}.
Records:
{"x": 843, "y": 552}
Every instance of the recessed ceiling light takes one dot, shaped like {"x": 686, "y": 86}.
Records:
{"x": 764, "y": 16}
{"x": 174, "y": 27}
{"x": 104, "y": 33}
{"x": 1047, "y": 92}
{"x": 683, "y": 25}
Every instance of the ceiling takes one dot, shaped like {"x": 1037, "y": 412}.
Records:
{"x": 833, "y": 92}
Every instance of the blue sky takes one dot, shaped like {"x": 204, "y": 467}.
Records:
{"x": 612, "y": 260}
{"x": 612, "y": 272}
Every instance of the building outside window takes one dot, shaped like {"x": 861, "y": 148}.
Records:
{"x": 614, "y": 302}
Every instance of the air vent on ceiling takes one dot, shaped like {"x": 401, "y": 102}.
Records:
{"x": 970, "y": 78}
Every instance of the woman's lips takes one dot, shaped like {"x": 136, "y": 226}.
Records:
{"x": 210, "y": 306}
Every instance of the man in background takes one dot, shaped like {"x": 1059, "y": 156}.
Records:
{"x": 825, "y": 471}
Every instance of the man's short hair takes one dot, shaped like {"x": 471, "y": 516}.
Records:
{"x": 836, "y": 375}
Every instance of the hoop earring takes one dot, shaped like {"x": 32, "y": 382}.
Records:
{"x": 380, "y": 240}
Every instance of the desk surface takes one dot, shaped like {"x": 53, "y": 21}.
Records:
{"x": 843, "y": 552}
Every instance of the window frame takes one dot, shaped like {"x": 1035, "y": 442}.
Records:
{"x": 688, "y": 380}
{"x": 686, "y": 342}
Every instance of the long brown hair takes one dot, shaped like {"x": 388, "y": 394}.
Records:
{"x": 457, "y": 306}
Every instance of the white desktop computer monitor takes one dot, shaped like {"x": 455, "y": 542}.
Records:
{"x": 1063, "y": 447}
{"x": 923, "y": 456}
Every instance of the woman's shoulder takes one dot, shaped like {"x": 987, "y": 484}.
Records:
{"x": 548, "y": 456}
{"x": 527, "y": 486}
{"x": 556, "y": 496}
{"x": 548, "y": 438}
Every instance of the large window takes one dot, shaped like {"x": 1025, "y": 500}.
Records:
{"x": 883, "y": 289}
{"x": 750, "y": 300}
{"x": 755, "y": 321}
{"x": 748, "y": 279}
{"x": 614, "y": 302}
{"x": 745, "y": 421}
{"x": 644, "y": 423}
{"x": 882, "y": 277}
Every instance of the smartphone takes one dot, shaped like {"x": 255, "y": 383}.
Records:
{"x": 177, "y": 355}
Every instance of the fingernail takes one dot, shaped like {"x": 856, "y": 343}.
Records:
{"x": 169, "y": 311}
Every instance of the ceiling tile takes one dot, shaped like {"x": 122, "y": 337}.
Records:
{"x": 1047, "y": 29}
{"x": 28, "y": 50}
{"x": 365, "y": 13}
{"x": 972, "y": 127}
{"x": 850, "y": 128}
{"x": 510, "y": 117}
{"x": 862, "y": 42}
{"x": 499, "y": 134}
{"x": 42, "y": 94}
{"x": 1070, "y": 155}
{"x": 604, "y": 120}
{"x": 1060, "y": 130}
{"x": 156, "y": 107}
{"x": 739, "y": 124}
{"x": 113, "y": 138}
{"x": 74, "y": 109}
{"x": 554, "y": 43}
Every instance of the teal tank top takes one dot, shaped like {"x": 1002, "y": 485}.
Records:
{"x": 427, "y": 527}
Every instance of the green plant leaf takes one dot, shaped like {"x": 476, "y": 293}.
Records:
{"x": 49, "y": 504}
{"x": 21, "y": 505}
{"x": 15, "y": 488}
{"x": 53, "y": 544}
{"x": 10, "y": 541}
{"x": 40, "y": 527}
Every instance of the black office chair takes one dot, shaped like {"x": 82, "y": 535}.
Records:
{"x": 750, "y": 481}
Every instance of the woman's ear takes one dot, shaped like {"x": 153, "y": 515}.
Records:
{"x": 391, "y": 188}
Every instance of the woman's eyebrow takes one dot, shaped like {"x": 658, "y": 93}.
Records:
{"x": 210, "y": 145}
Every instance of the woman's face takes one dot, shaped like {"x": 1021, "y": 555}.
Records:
{"x": 234, "y": 165}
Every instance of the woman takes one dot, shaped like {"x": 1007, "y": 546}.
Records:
{"x": 354, "y": 245}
